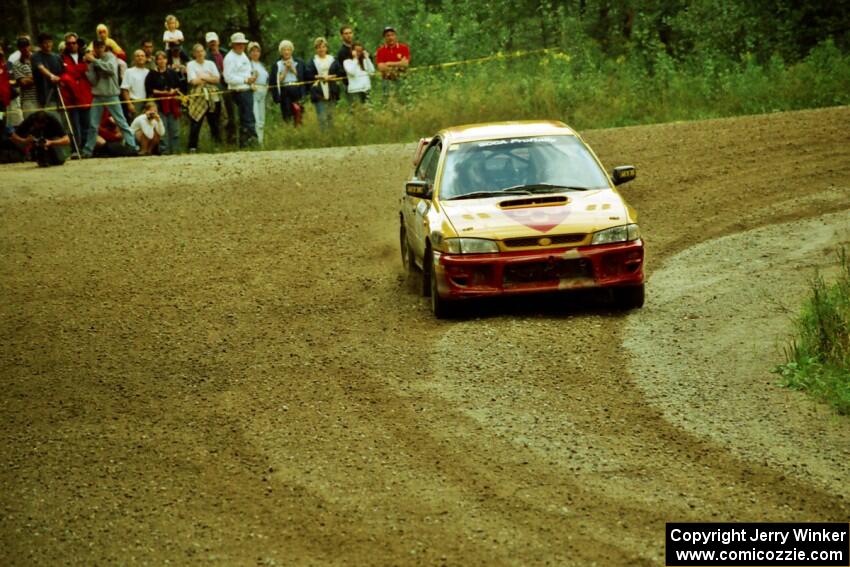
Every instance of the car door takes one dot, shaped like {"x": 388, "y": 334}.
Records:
{"x": 417, "y": 208}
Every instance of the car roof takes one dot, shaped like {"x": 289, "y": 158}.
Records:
{"x": 497, "y": 130}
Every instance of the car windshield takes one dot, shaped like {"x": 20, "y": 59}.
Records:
{"x": 541, "y": 164}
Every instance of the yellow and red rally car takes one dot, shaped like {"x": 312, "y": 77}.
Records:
{"x": 514, "y": 208}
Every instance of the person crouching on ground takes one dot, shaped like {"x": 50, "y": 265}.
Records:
{"x": 148, "y": 129}
{"x": 43, "y": 136}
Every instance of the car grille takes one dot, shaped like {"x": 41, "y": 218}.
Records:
{"x": 553, "y": 269}
{"x": 535, "y": 240}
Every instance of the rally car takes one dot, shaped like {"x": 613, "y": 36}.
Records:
{"x": 516, "y": 208}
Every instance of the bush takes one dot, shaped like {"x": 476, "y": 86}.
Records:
{"x": 818, "y": 360}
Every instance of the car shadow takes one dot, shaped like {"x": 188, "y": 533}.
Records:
{"x": 560, "y": 305}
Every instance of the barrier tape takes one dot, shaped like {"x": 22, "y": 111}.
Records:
{"x": 185, "y": 97}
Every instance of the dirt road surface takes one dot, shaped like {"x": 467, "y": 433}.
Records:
{"x": 215, "y": 360}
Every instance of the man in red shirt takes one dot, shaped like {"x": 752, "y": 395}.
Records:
{"x": 393, "y": 58}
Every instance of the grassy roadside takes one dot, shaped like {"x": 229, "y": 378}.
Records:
{"x": 818, "y": 359}
{"x": 579, "y": 87}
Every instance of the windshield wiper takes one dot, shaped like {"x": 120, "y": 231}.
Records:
{"x": 546, "y": 188}
{"x": 477, "y": 194}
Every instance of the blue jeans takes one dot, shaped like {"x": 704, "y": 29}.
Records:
{"x": 112, "y": 104}
{"x": 80, "y": 123}
{"x": 244, "y": 100}
{"x": 170, "y": 143}
{"x": 324, "y": 110}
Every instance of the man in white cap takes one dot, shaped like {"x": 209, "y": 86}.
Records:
{"x": 239, "y": 76}
{"x": 217, "y": 55}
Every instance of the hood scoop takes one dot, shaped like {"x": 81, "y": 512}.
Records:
{"x": 542, "y": 201}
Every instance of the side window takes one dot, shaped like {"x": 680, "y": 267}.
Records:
{"x": 428, "y": 165}
{"x": 431, "y": 169}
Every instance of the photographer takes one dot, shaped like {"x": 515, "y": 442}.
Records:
{"x": 148, "y": 129}
{"x": 43, "y": 137}
{"x": 358, "y": 68}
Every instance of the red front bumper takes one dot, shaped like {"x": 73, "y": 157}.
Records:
{"x": 482, "y": 275}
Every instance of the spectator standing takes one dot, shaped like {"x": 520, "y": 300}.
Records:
{"x": 76, "y": 89}
{"x": 5, "y": 85}
{"x": 286, "y": 74}
{"x": 205, "y": 100}
{"x": 392, "y": 59}
{"x": 228, "y": 111}
{"x": 102, "y": 74}
{"x": 47, "y": 69}
{"x": 22, "y": 74}
{"x": 133, "y": 88}
{"x": 148, "y": 129}
{"x": 239, "y": 78}
{"x": 43, "y": 136}
{"x": 358, "y": 68}
{"x": 163, "y": 84}
{"x": 324, "y": 92}
{"x": 147, "y": 48}
{"x": 103, "y": 35}
{"x": 260, "y": 88}
{"x": 346, "y": 34}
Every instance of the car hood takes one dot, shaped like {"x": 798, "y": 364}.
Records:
{"x": 512, "y": 216}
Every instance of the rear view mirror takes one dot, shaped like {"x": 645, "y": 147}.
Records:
{"x": 417, "y": 188}
{"x": 623, "y": 174}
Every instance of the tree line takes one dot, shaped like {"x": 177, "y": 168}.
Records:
{"x": 441, "y": 30}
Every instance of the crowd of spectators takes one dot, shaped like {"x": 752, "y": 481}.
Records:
{"x": 90, "y": 99}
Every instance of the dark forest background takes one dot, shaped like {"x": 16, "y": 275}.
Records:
{"x": 440, "y": 30}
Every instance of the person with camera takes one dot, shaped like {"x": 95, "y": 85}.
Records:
{"x": 102, "y": 74}
{"x": 358, "y": 68}
{"x": 148, "y": 129}
{"x": 42, "y": 136}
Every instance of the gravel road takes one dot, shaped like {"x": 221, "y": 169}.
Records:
{"x": 215, "y": 359}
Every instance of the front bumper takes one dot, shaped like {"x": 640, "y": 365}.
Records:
{"x": 483, "y": 275}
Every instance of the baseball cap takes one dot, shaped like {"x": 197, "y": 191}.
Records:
{"x": 211, "y": 36}
{"x": 388, "y": 29}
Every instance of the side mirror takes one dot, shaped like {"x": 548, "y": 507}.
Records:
{"x": 623, "y": 174}
{"x": 417, "y": 188}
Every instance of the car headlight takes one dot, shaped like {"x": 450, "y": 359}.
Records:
{"x": 470, "y": 246}
{"x": 625, "y": 233}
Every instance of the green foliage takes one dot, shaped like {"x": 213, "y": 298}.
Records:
{"x": 584, "y": 88}
{"x": 818, "y": 361}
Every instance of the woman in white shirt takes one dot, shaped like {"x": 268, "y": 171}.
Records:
{"x": 358, "y": 69}
{"x": 260, "y": 87}
{"x": 148, "y": 129}
{"x": 203, "y": 77}
{"x": 324, "y": 92}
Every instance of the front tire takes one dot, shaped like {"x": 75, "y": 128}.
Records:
{"x": 629, "y": 297}
{"x": 442, "y": 308}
